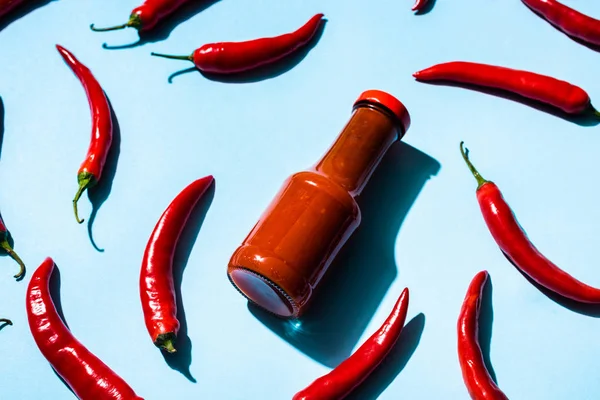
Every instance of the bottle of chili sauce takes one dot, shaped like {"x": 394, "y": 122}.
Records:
{"x": 282, "y": 260}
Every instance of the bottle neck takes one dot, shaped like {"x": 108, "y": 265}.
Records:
{"x": 359, "y": 148}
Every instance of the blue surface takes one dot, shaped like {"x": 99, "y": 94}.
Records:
{"x": 422, "y": 225}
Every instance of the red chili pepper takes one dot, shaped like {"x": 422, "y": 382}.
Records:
{"x": 515, "y": 244}
{"x": 354, "y": 370}
{"x": 568, "y": 20}
{"x": 5, "y": 245}
{"x": 147, "y": 16}
{"x": 480, "y": 384}
{"x": 420, "y": 5}
{"x": 90, "y": 170}
{"x": 235, "y": 57}
{"x": 563, "y": 95}
{"x": 86, "y": 375}
{"x": 157, "y": 289}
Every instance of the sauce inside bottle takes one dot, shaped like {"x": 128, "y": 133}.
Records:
{"x": 285, "y": 255}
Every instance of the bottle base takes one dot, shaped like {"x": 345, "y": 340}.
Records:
{"x": 263, "y": 292}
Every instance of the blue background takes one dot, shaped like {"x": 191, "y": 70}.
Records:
{"x": 422, "y": 226}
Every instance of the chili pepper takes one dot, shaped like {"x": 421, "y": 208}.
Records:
{"x": 5, "y": 245}
{"x": 515, "y": 244}
{"x": 235, "y": 57}
{"x": 87, "y": 376}
{"x": 147, "y": 16}
{"x": 479, "y": 383}
{"x": 568, "y": 20}
{"x": 420, "y": 5}
{"x": 563, "y": 95}
{"x": 90, "y": 170}
{"x": 157, "y": 289}
{"x": 354, "y": 370}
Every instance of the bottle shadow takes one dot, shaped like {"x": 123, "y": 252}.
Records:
{"x": 486, "y": 319}
{"x": 99, "y": 193}
{"x": 581, "y": 42}
{"x": 590, "y": 310}
{"x": 21, "y": 11}
{"x": 163, "y": 30}
{"x": 182, "y": 359}
{"x": 365, "y": 267}
{"x": 264, "y": 72}
{"x": 584, "y": 119}
{"x": 2, "y": 128}
{"x": 428, "y": 7}
{"x": 394, "y": 362}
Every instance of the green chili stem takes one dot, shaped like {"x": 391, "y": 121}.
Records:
{"x": 85, "y": 180}
{"x": 465, "y": 154}
{"x": 168, "y": 346}
{"x": 186, "y": 58}
{"x": 134, "y": 22}
{"x": 75, "y": 200}
{"x": 112, "y": 28}
{"x": 6, "y": 246}
{"x": 166, "y": 341}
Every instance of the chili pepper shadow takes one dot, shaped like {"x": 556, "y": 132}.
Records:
{"x": 181, "y": 72}
{"x": 4, "y": 325}
{"x": 362, "y": 272}
{"x": 486, "y": 319}
{"x": 54, "y": 285}
{"x": 99, "y": 193}
{"x": 586, "y": 44}
{"x": 265, "y": 72}
{"x": 585, "y": 119}
{"x": 165, "y": 27}
{"x": 182, "y": 359}
{"x": 394, "y": 362}
{"x": 21, "y": 11}
{"x": 581, "y": 42}
{"x": 590, "y": 310}
{"x": 427, "y": 9}
{"x": 2, "y": 113}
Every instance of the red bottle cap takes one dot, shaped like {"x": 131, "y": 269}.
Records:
{"x": 390, "y": 102}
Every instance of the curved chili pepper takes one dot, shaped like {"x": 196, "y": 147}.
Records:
{"x": 480, "y": 384}
{"x": 5, "y": 245}
{"x": 87, "y": 376}
{"x": 90, "y": 170}
{"x": 568, "y": 20}
{"x": 147, "y": 16}
{"x": 420, "y": 5}
{"x": 157, "y": 289}
{"x": 515, "y": 244}
{"x": 235, "y": 57}
{"x": 563, "y": 95}
{"x": 338, "y": 384}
